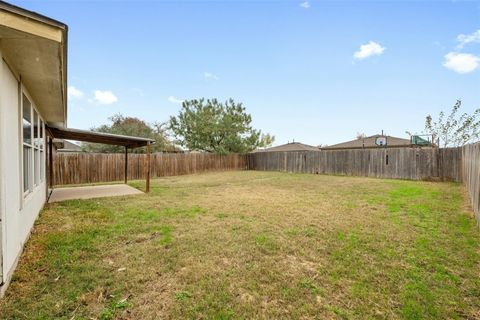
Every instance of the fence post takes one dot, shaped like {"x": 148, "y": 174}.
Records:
{"x": 148, "y": 168}
{"x": 126, "y": 165}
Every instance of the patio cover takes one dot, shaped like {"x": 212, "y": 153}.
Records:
{"x": 100, "y": 137}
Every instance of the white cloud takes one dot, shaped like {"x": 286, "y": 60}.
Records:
{"x": 210, "y": 76}
{"x": 464, "y": 39}
{"x": 305, "y": 5}
{"x": 105, "y": 97}
{"x": 461, "y": 62}
{"x": 370, "y": 49}
{"x": 74, "y": 93}
{"x": 173, "y": 99}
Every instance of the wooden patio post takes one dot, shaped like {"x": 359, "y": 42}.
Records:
{"x": 126, "y": 164}
{"x": 50, "y": 161}
{"x": 148, "y": 167}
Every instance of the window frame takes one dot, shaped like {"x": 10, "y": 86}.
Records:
{"x": 36, "y": 149}
{"x": 41, "y": 137}
{"x": 29, "y": 188}
{"x": 36, "y": 146}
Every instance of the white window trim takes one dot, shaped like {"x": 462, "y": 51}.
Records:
{"x": 36, "y": 118}
{"x": 30, "y": 190}
{"x": 34, "y": 187}
{"x": 42, "y": 152}
{"x": 38, "y": 147}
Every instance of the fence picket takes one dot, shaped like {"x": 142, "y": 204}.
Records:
{"x": 78, "y": 168}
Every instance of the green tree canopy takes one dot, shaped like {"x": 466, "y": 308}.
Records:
{"x": 131, "y": 126}
{"x": 212, "y": 126}
{"x": 455, "y": 129}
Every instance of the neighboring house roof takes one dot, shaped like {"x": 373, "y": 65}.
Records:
{"x": 70, "y": 147}
{"x": 292, "y": 146}
{"x": 369, "y": 142}
{"x": 35, "y": 47}
{"x": 195, "y": 151}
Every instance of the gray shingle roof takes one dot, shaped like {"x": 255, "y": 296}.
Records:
{"x": 293, "y": 146}
{"x": 369, "y": 142}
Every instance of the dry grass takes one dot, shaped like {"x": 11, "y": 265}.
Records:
{"x": 255, "y": 245}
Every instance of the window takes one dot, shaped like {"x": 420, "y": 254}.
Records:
{"x": 33, "y": 146}
{"x": 36, "y": 149}
{"x": 42, "y": 152}
{"x": 27, "y": 143}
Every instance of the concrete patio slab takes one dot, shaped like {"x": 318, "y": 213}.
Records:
{"x": 91, "y": 192}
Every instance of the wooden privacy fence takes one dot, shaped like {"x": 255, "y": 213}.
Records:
{"x": 397, "y": 163}
{"x": 471, "y": 175}
{"x": 77, "y": 168}
{"x": 448, "y": 164}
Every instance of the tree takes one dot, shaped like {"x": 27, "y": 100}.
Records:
{"x": 456, "y": 129}
{"x": 212, "y": 126}
{"x": 130, "y": 126}
{"x": 360, "y": 135}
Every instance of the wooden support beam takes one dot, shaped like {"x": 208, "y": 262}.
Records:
{"x": 50, "y": 161}
{"x": 148, "y": 168}
{"x": 98, "y": 137}
{"x": 126, "y": 165}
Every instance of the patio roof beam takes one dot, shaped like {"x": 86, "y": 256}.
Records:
{"x": 99, "y": 137}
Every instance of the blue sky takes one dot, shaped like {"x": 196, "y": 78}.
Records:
{"x": 316, "y": 71}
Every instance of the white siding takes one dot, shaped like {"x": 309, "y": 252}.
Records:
{"x": 18, "y": 214}
{"x": 2, "y": 172}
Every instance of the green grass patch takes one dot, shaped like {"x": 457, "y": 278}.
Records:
{"x": 242, "y": 245}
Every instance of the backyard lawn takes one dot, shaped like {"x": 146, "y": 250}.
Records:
{"x": 255, "y": 245}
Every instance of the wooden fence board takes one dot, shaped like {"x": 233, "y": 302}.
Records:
{"x": 403, "y": 163}
{"x": 447, "y": 164}
{"x": 78, "y": 168}
{"x": 471, "y": 175}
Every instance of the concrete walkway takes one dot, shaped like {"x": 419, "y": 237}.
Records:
{"x": 90, "y": 192}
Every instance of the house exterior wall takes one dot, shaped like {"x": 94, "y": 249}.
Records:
{"x": 18, "y": 211}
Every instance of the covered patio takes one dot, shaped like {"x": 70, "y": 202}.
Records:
{"x": 87, "y": 192}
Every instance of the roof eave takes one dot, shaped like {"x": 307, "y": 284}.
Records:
{"x": 31, "y": 15}
{"x": 62, "y": 40}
